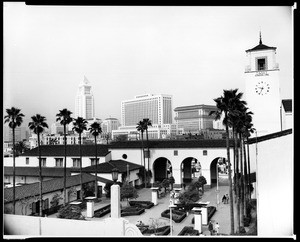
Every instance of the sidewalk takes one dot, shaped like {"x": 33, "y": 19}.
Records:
{"x": 221, "y": 215}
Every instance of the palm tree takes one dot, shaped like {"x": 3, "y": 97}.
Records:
{"x": 14, "y": 119}
{"x": 141, "y": 127}
{"x": 225, "y": 105}
{"x": 38, "y": 125}
{"x": 147, "y": 123}
{"x": 95, "y": 130}
{"x": 79, "y": 126}
{"x": 64, "y": 116}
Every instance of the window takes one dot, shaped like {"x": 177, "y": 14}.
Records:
{"x": 261, "y": 64}
{"x": 27, "y": 160}
{"x": 76, "y": 162}
{"x": 43, "y": 161}
{"x": 59, "y": 162}
{"x": 93, "y": 161}
{"x": 175, "y": 152}
{"x": 204, "y": 152}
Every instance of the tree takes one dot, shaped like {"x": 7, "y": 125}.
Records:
{"x": 95, "y": 130}
{"x": 64, "y": 116}
{"x": 38, "y": 125}
{"x": 202, "y": 181}
{"x": 14, "y": 118}
{"x": 21, "y": 147}
{"x": 172, "y": 181}
{"x": 79, "y": 126}
{"x": 147, "y": 123}
{"x": 141, "y": 127}
{"x": 128, "y": 191}
{"x": 226, "y": 104}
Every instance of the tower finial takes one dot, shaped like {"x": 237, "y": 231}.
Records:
{"x": 260, "y": 42}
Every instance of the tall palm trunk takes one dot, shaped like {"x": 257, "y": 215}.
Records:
{"x": 80, "y": 164}
{"x": 40, "y": 176}
{"x": 14, "y": 173}
{"x": 230, "y": 180}
{"x": 242, "y": 207}
{"x": 148, "y": 155}
{"x": 249, "y": 171}
{"x": 143, "y": 153}
{"x": 96, "y": 165}
{"x": 65, "y": 166}
{"x": 245, "y": 178}
{"x": 237, "y": 184}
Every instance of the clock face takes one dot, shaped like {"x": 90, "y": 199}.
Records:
{"x": 262, "y": 88}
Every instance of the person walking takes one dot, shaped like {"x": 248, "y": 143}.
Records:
{"x": 227, "y": 198}
{"x": 224, "y": 199}
{"x": 211, "y": 228}
{"x": 217, "y": 227}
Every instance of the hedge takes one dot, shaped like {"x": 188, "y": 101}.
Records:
{"x": 130, "y": 211}
{"x": 143, "y": 204}
{"x": 188, "y": 230}
{"x": 102, "y": 211}
{"x": 177, "y": 216}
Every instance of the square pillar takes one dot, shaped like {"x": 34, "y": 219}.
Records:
{"x": 90, "y": 207}
{"x": 204, "y": 212}
{"x": 115, "y": 210}
{"x": 154, "y": 194}
{"x": 198, "y": 219}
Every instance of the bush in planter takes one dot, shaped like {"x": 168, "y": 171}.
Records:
{"x": 130, "y": 211}
{"x": 188, "y": 230}
{"x": 143, "y": 204}
{"x": 128, "y": 191}
{"x": 102, "y": 211}
{"x": 189, "y": 196}
{"x": 70, "y": 212}
{"x": 177, "y": 216}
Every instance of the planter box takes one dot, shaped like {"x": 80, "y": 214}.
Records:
{"x": 177, "y": 216}
{"x": 142, "y": 204}
{"x": 188, "y": 230}
{"x": 131, "y": 211}
{"x": 210, "y": 212}
{"x": 102, "y": 211}
{"x": 165, "y": 230}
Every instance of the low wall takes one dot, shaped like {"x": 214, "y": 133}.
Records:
{"x": 39, "y": 226}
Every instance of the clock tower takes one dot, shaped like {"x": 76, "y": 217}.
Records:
{"x": 262, "y": 88}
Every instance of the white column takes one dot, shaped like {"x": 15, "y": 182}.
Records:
{"x": 204, "y": 215}
{"x": 198, "y": 219}
{"x": 90, "y": 209}
{"x": 115, "y": 201}
{"x": 154, "y": 195}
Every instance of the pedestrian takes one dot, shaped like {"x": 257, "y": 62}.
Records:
{"x": 210, "y": 227}
{"x": 217, "y": 226}
{"x": 227, "y": 198}
{"x": 224, "y": 199}
{"x": 184, "y": 186}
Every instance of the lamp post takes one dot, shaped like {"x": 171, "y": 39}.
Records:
{"x": 217, "y": 191}
{"x": 171, "y": 206}
{"x": 115, "y": 195}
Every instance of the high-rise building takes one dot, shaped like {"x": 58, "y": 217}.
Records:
{"x": 194, "y": 118}
{"x": 84, "y": 103}
{"x": 110, "y": 124}
{"x": 158, "y": 108}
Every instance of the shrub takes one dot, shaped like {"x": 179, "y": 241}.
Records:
{"x": 177, "y": 215}
{"x": 70, "y": 212}
{"x": 128, "y": 191}
{"x": 189, "y": 196}
{"x": 188, "y": 230}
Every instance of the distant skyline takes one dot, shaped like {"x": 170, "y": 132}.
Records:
{"x": 191, "y": 53}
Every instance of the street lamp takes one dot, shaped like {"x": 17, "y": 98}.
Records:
{"x": 115, "y": 174}
{"x": 217, "y": 191}
{"x": 171, "y": 206}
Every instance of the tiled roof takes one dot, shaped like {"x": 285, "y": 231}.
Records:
{"x": 34, "y": 171}
{"x": 270, "y": 136}
{"x": 287, "y": 104}
{"x": 106, "y": 167}
{"x": 200, "y": 143}
{"x": 261, "y": 47}
{"x": 48, "y": 186}
{"x": 72, "y": 150}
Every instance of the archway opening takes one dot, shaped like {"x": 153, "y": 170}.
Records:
{"x": 162, "y": 168}
{"x": 190, "y": 170}
{"x": 218, "y": 172}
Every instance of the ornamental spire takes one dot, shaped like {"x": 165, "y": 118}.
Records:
{"x": 260, "y": 42}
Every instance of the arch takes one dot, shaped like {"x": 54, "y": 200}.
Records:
{"x": 215, "y": 172}
{"x": 162, "y": 168}
{"x": 190, "y": 167}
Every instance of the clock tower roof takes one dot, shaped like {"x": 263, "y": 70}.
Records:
{"x": 261, "y": 46}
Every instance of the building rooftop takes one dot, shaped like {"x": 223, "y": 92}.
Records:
{"x": 72, "y": 150}
{"x": 193, "y": 107}
{"x": 261, "y": 46}
{"x": 106, "y": 167}
{"x": 287, "y": 105}
{"x": 34, "y": 171}
{"x": 199, "y": 143}
{"x": 48, "y": 186}
{"x": 270, "y": 136}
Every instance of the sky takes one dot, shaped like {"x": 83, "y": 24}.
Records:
{"x": 191, "y": 53}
